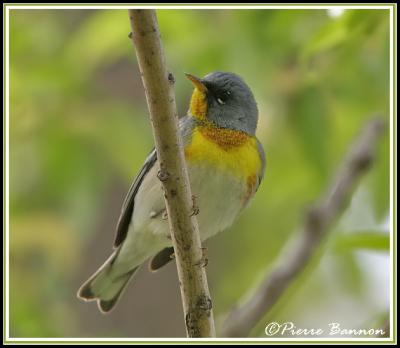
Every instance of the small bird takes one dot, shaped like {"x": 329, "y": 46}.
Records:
{"x": 226, "y": 165}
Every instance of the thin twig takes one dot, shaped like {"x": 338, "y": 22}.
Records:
{"x": 158, "y": 84}
{"x": 296, "y": 254}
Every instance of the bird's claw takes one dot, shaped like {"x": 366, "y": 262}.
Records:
{"x": 203, "y": 262}
{"x": 195, "y": 207}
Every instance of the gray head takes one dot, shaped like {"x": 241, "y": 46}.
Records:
{"x": 230, "y": 102}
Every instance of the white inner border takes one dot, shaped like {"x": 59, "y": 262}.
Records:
{"x": 175, "y": 7}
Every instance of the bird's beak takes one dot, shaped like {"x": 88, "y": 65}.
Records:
{"x": 197, "y": 82}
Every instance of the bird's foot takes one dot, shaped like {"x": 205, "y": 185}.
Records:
{"x": 203, "y": 262}
{"x": 195, "y": 207}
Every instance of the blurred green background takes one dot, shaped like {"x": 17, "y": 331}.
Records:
{"x": 79, "y": 132}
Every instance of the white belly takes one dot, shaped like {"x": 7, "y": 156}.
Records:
{"x": 219, "y": 197}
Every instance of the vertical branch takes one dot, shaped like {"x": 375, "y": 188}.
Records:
{"x": 158, "y": 84}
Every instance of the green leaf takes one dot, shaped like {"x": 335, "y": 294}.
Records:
{"x": 351, "y": 26}
{"x": 332, "y": 34}
{"x": 370, "y": 240}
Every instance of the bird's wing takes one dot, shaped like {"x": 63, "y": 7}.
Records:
{"x": 129, "y": 202}
{"x": 186, "y": 125}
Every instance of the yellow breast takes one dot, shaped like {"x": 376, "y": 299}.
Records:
{"x": 226, "y": 149}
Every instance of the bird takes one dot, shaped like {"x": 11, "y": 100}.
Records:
{"x": 226, "y": 164}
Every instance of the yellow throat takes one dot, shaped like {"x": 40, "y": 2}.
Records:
{"x": 198, "y": 105}
{"x": 227, "y": 149}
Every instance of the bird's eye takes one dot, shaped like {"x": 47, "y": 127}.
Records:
{"x": 220, "y": 101}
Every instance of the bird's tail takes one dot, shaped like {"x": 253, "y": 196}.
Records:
{"x": 105, "y": 286}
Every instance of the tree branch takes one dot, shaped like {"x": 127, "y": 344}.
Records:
{"x": 296, "y": 254}
{"x": 158, "y": 84}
